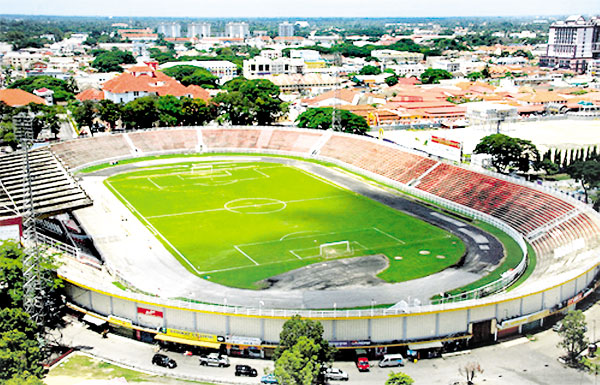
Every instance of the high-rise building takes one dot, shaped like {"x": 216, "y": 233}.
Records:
{"x": 239, "y": 30}
{"x": 170, "y": 29}
{"x": 199, "y": 30}
{"x": 573, "y": 43}
{"x": 286, "y": 29}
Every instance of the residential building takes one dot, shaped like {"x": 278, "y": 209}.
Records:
{"x": 199, "y": 30}
{"x": 46, "y": 94}
{"x": 573, "y": 43}
{"x": 237, "y": 30}
{"x": 17, "y": 98}
{"x": 388, "y": 56}
{"x": 144, "y": 80}
{"x": 21, "y": 60}
{"x": 261, "y": 66}
{"x": 270, "y": 53}
{"x": 169, "y": 29}
{"x": 312, "y": 58}
{"x": 224, "y": 70}
{"x": 286, "y": 29}
{"x": 297, "y": 82}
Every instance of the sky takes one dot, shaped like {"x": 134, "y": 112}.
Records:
{"x": 302, "y": 8}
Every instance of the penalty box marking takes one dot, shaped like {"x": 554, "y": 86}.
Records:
{"x": 294, "y": 251}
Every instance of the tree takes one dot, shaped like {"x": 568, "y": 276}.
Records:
{"x": 508, "y": 152}
{"x": 433, "y": 76}
{"x": 297, "y": 327}
{"x": 110, "y": 61}
{"x": 587, "y": 173}
{"x": 188, "y": 74}
{"x": 109, "y": 112}
{"x": 24, "y": 378}
{"x": 399, "y": 379}
{"x": 11, "y": 282}
{"x": 63, "y": 90}
{"x": 298, "y": 365}
{"x": 470, "y": 370}
{"x": 169, "y": 110}
{"x": 140, "y": 113}
{"x": 369, "y": 70}
{"x": 572, "y": 334}
{"x": 249, "y": 102}
{"x": 84, "y": 113}
{"x": 391, "y": 80}
{"x": 320, "y": 118}
{"x": 196, "y": 112}
{"x": 474, "y": 76}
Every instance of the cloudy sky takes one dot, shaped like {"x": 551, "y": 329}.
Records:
{"x": 303, "y": 8}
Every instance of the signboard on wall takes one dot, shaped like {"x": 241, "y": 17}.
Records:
{"x": 445, "y": 148}
{"x": 196, "y": 336}
{"x": 11, "y": 229}
{"x": 150, "y": 317}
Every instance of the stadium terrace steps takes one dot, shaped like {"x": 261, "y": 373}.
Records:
{"x": 54, "y": 190}
{"x": 80, "y": 152}
{"x": 165, "y": 140}
{"x": 524, "y": 208}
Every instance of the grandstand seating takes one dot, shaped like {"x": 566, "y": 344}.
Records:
{"x": 524, "y": 208}
{"x": 165, "y": 140}
{"x": 80, "y": 152}
{"x": 230, "y": 138}
{"x": 291, "y": 141}
{"x": 54, "y": 190}
{"x": 383, "y": 160}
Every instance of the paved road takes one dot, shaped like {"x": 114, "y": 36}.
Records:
{"x": 515, "y": 362}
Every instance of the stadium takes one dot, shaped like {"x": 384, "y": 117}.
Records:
{"x": 214, "y": 236}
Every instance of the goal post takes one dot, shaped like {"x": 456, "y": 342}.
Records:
{"x": 335, "y": 249}
{"x": 202, "y": 168}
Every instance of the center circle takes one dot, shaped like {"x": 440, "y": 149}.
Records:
{"x": 255, "y": 205}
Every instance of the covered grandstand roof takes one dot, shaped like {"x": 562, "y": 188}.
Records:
{"x": 54, "y": 189}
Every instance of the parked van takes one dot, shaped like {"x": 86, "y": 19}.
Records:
{"x": 391, "y": 360}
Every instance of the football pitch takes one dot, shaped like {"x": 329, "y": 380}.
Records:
{"x": 238, "y": 223}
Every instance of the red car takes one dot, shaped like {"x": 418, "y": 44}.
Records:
{"x": 362, "y": 363}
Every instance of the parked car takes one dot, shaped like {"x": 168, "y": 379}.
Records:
{"x": 362, "y": 363}
{"x": 164, "y": 361}
{"x": 245, "y": 370}
{"x": 391, "y": 360}
{"x": 269, "y": 379}
{"x": 335, "y": 374}
{"x": 214, "y": 359}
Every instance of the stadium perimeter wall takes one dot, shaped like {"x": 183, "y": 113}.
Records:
{"x": 501, "y": 313}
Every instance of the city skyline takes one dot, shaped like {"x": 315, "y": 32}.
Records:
{"x": 308, "y": 8}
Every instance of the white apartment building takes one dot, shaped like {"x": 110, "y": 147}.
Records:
{"x": 389, "y": 55}
{"x": 286, "y": 29}
{"x": 169, "y": 29}
{"x": 261, "y": 66}
{"x": 237, "y": 30}
{"x": 199, "y": 30}
{"x": 573, "y": 43}
{"x": 408, "y": 69}
{"x": 21, "y": 60}
{"x": 271, "y": 53}
{"x": 224, "y": 70}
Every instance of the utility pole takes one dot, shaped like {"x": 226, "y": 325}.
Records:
{"x": 335, "y": 119}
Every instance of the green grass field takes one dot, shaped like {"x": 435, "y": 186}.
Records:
{"x": 239, "y": 223}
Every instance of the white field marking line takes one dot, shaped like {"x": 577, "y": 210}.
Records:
{"x": 295, "y": 255}
{"x": 323, "y": 180}
{"x": 196, "y": 175}
{"x": 149, "y": 225}
{"x": 262, "y": 264}
{"x": 298, "y": 232}
{"x": 243, "y": 206}
{"x": 306, "y": 236}
{"x": 245, "y": 255}
{"x": 154, "y": 183}
{"x": 389, "y": 235}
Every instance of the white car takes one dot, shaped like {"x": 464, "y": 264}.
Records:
{"x": 214, "y": 359}
{"x": 336, "y": 374}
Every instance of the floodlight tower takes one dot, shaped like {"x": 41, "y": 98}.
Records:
{"x": 32, "y": 280}
{"x": 335, "y": 118}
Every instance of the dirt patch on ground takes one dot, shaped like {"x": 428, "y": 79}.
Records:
{"x": 336, "y": 273}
